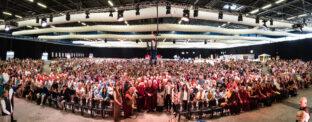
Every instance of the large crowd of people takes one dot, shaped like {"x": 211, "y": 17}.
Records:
{"x": 171, "y": 85}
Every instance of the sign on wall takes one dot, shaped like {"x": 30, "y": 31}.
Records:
{"x": 10, "y": 55}
{"x": 44, "y": 56}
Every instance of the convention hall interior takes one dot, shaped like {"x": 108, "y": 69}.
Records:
{"x": 155, "y": 60}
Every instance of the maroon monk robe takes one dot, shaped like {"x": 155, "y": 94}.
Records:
{"x": 149, "y": 99}
{"x": 233, "y": 103}
{"x": 244, "y": 97}
{"x": 141, "y": 97}
{"x": 127, "y": 106}
{"x": 253, "y": 98}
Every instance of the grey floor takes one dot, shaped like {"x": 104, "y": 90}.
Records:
{"x": 26, "y": 111}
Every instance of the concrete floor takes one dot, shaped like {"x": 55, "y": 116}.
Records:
{"x": 26, "y": 111}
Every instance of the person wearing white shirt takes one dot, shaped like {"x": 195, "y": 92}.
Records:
{"x": 6, "y": 105}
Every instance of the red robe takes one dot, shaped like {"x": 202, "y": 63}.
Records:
{"x": 150, "y": 104}
{"x": 233, "y": 103}
{"x": 244, "y": 97}
{"x": 141, "y": 97}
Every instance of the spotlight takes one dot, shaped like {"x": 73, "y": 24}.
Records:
{"x": 186, "y": 15}
{"x": 67, "y": 16}
{"x": 257, "y": 19}
{"x": 240, "y": 17}
{"x": 271, "y": 21}
{"x": 120, "y": 16}
{"x": 51, "y": 17}
{"x": 220, "y": 15}
{"x": 137, "y": 10}
{"x": 43, "y": 22}
{"x": 37, "y": 19}
{"x": 7, "y": 28}
{"x": 87, "y": 14}
{"x": 205, "y": 41}
{"x": 173, "y": 41}
{"x": 168, "y": 8}
{"x": 195, "y": 12}
{"x": 264, "y": 23}
{"x": 111, "y": 13}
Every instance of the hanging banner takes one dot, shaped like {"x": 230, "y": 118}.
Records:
{"x": 44, "y": 56}
{"x": 10, "y": 55}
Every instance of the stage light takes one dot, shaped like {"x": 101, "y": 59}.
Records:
{"x": 44, "y": 22}
{"x": 220, "y": 15}
{"x": 67, "y": 16}
{"x": 271, "y": 21}
{"x": 186, "y": 15}
{"x": 37, "y": 20}
{"x": 257, "y": 19}
{"x": 168, "y": 8}
{"x": 120, "y": 16}
{"x": 195, "y": 14}
{"x": 87, "y": 14}
{"x": 240, "y": 17}
{"x": 7, "y": 28}
{"x": 137, "y": 10}
{"x": 110, "y": 13}
{"x": 51, "y": 17}
{"x": 264, "y": 23}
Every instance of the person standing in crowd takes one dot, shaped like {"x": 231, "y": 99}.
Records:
{"x": 175, "y": 98}
{"x": 184, "y": 96}
{"x": 303, "y": 115}
{"x": 127, "y": 102}
{"x": 168, "y": 92}
{"x": 150, "y": 92}
{"x": 117, "y": 102}
{"x": 140, "y": 96}
{"x": 160, "y": 98}
{"x": 1, "y": 84}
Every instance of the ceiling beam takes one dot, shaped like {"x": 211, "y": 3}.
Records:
{"x": 278, "y": 7}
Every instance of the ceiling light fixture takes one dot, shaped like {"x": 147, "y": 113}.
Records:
{"x": 267, "y": 6}
{"x": 254, "y": 11}
{"x": 41, "y": 5}
{"x": 110, "y": 3}
{"x": 7, "y": 13}
{"x": 279, "y": 1}
{"x": 18, "y": 16}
